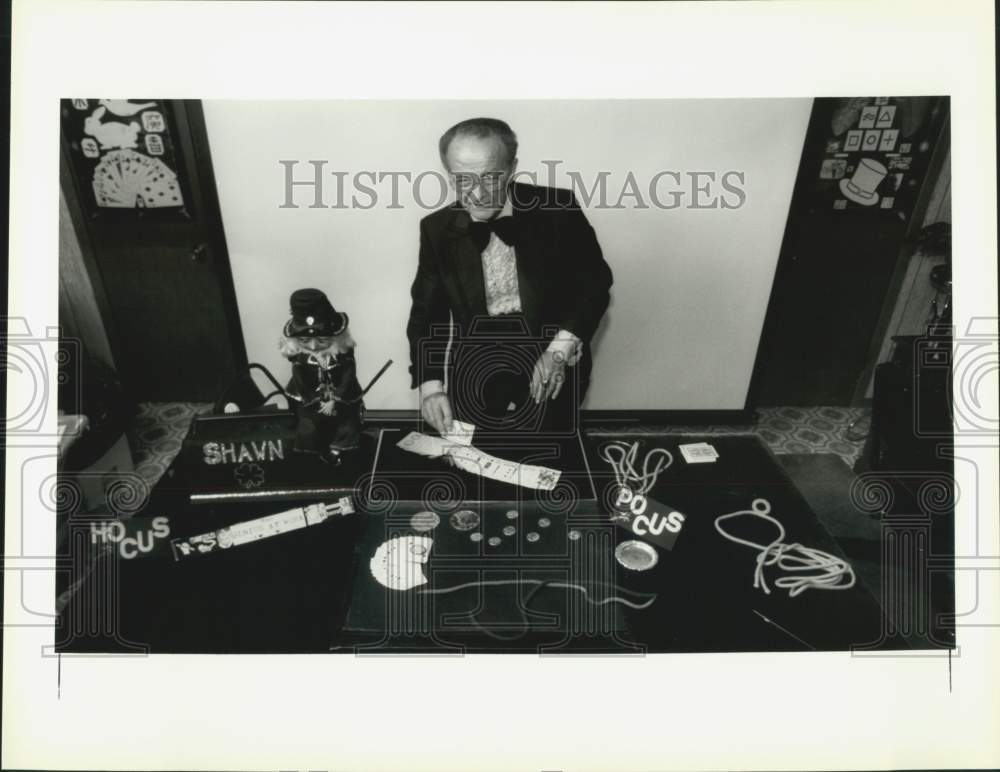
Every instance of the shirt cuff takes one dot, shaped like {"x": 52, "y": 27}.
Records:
{"x": 568, "y": 345}
{"x": 430, "y": 387}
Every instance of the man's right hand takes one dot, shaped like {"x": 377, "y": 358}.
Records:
{"x": 435, "y": 407}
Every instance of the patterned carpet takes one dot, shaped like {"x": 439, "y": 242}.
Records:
{"x": 157, "y": 435}
{"x": 160, "y": 428}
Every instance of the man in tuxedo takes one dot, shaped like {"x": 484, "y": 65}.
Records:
{"x": 514, "y": 275}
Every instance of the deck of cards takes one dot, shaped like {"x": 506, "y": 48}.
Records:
{"x": 126, "y": 179}
{"x": 397, "y": 564}
{"x": 460, "y": 432}
{"x": 699, "y": 453}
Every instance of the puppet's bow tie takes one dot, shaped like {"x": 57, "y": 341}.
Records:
{"x": 503, "y": 227}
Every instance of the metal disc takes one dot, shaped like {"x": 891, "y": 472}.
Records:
{"x": 509, "y": 530}
{"x": 425, "y": 521}
{"x": 574, "y": 535}
{"x": 544, "y": 522}
{"x": 636, "y": 555}
{"x": 477, "y": 537}
{"x": 464, "y": 520}
{"x": 533, "y": 536}
{"x": 512, "y": 514}
{"x": 494, "y": 541}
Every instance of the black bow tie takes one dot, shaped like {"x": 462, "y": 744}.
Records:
{"x": 503, "y": 227}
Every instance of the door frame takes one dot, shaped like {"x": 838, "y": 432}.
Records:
{"x": 798, "y": 207}
{"x": 193, "y": 140}
{"x": 942, "y": 146}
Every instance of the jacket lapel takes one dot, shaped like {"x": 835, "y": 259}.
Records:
{"x": 527, "y": 255}
{"x": 466, "y": 263}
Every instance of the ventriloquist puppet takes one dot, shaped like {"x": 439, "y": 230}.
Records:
{"x": 324, "y": 383}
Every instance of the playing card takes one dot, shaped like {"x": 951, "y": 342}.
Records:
{"x": 424, "y": 444}
{"x": 461, "y": 433}
{"x": 699, "y": 453}
{"x": 474, "y": 461}
{"x": 159, "y": 185}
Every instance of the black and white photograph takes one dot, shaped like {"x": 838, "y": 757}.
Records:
{"x": 408, "y": 392}
{"x": 546, "y": 360}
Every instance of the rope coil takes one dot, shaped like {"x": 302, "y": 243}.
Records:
{"x": 622, "y": 457}
{"x": 828, "y": 571}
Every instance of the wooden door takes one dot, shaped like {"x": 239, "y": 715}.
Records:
{"x": 841, "y": 249}
{"x": 144, "y": 194}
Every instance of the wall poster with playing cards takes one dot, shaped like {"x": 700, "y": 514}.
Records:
{"x": 124, "y": 155}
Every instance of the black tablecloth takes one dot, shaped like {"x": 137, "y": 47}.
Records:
{"x": 311, "y": 590}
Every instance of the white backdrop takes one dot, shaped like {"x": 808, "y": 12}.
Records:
{"x": 691, "y": 285}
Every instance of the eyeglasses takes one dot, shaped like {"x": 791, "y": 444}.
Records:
{"x": 490, "y": 181}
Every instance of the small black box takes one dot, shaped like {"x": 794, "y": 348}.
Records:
{"x": 252, "y": 458}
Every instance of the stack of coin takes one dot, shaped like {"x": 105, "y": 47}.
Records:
{"x": 464, "y": 520}
{"x": 425, "y": 521}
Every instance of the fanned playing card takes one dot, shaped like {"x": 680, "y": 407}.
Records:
{"x": 158, "y": 185}
{"x": 127, "y": 179}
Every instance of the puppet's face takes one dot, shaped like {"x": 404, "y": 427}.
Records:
{"x": 316, "y": 344}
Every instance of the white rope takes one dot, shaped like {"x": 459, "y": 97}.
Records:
{"x": 829, "y": 571}
{"x": 622, "y": 457}
{"x": 539, "y": 582}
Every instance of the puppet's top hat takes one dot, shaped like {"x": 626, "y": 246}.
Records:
{"x": 313, "y": 316}
{"x": 861, "y": 187}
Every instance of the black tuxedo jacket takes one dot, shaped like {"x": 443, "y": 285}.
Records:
{"x": 562, "y": 277}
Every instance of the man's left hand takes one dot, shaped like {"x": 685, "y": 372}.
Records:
{"x": 548, "y": 376}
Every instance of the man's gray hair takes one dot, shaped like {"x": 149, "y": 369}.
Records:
{"x": 480, "y": 128}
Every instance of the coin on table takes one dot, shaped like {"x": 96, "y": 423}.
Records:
{"x": 636, "y": 555}
{"x": 477, "y": 537}
{"x": 533, "y": 536}
{"x": 574, "y": 535}
{"x": 512, "y": 514}
{"x": 544, "y": 522}
{"x": 494, "y": 541}
{"x": 425, "y": 521}
{"x": 464, "y": 520}
{"x": 509, "y": 530}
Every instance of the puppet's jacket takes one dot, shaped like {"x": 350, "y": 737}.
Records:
{"x": 331, "y": 410}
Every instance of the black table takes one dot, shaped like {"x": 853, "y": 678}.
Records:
{"x": 311, "y": 590}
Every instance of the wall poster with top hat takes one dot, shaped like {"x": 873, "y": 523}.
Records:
{"x": 877, "y": 150}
